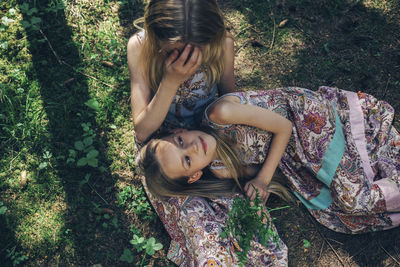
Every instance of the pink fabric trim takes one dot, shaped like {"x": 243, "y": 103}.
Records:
{"x": 395, "y": 217}
{"x": 392, "y": 194}
{"x": 358, "y": 132}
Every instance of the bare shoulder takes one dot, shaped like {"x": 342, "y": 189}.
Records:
{"x": 134, "y": 46}
{"x": 222, "y": 110}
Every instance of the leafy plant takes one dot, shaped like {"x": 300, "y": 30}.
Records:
{"x": 306, "y": 243}
{"x": 249, "y": 221}
{"x": 16, "y": 257}
{"x": 150, "y": 246}
{"x": 140, "y": 243}
{"x": 31, "y": 20}
{"x": 46, "y": 156}
{"x": 136, "y": 199}
{"x": 3, "y": 208}
{"x": 85, "y": 147}
{"x": 126, "y": 256}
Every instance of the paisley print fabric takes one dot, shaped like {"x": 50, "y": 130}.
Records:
{"x": 194, "y": 224}
{"x": 346, "y": 197}
{"x": 192, "y": 97}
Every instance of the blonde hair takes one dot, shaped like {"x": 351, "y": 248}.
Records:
{"x": 199, "y": 22}
{"x": 208, "y": 186}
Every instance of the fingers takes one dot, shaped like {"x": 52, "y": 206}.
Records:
{"x": 194, "y": 57}
{"x": 190, "y": 58}
{"x": 266, "y": 198}
{"x": 172, "y": 57}
{"x": 184, "y": 55}
{"x": 250, "y": 192}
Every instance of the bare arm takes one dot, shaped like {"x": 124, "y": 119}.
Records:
{"x": 229, "y": 111}
{"x": 227, "y": 84}
{"x": 149, "y": 112}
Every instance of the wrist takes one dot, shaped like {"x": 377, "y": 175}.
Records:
{"x": 264, "y": 179}
{"x": 171, "y": 85}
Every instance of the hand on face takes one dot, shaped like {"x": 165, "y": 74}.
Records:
{"x": 180, "y": 66}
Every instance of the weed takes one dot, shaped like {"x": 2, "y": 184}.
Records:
{"x": 306, "y": 243}
{"x": 140, "y": 243}
{"x": 3, "y": 208}
{"x": 126, "y": 256}
{"x": 85, "y": 147}
{"x": 136, "y": 199}
{"x": 247, "y": 221}
{"x": 31, "y": 21}
{"x": 16, "y": 257}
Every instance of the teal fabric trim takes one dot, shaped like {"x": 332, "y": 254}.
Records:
{"x": 321, "y": 202}
{"x": 333, "y": 155}
{"x": 330, "y": 163}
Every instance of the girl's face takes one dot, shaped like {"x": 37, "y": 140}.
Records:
{"x": 185, "y": 153}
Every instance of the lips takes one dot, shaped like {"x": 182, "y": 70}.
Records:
{"x": 203, "y": 144}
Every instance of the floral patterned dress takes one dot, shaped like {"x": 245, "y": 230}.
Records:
{"x": 342, "y": 160}
{"x": 193, "y": 223}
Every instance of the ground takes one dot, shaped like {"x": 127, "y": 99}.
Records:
{"x": 70, "y": 195}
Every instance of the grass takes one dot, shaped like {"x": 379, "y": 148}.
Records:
{"x": 63, "y": 67}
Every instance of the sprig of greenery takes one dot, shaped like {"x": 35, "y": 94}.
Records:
{"x": 17, "y": 257}
{"x": 136, "y": 199}
{"x": 140, "y": 243}
{"x": 249, "y": 221}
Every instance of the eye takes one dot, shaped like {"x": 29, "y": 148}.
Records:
{"x": 180, "y": 141}
{"x": 187, "y": 159}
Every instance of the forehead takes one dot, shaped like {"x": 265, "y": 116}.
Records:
{"x": 170, "y": 160}
{"x": 170, "y": 46}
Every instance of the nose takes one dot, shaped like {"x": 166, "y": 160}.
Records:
{"x": 193, "y": 147}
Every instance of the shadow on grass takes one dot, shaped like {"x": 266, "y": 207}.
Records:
{"x": 56, "y": 64}
{"x": 348, "y": 44}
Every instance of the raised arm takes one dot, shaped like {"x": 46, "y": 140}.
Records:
{"x": 227, "y": 83}
{"x": 150, "y": 111}
{"x": 229, "y": 110}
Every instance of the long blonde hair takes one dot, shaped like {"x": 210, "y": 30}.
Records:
{"x": 199, "y": 22}
{"x": 208, "y": 186}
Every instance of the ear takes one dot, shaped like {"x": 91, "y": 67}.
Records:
{"x": 178, "y": 130}
{"x": 194, "y": 177}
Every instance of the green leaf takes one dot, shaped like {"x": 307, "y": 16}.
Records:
{"x": 88, "y": 141}
{"x": 306, "y": 243}
{"x": 157, "y": 246}
{"x": 93, "y": 162}
{"x": 107, "y": 216}
{"x": 326, "y": 47}
{"x": 42, "y": 165}
{"x": 92, "y": 154}
{"x": 79, "y": 145}
{"x": 93, "y": 104}
{"x": 3, "y": 210}
{"x": 35, "y": 20}
{"x": 85, "y": 180}
{"x": 82, "y": 162}
{"x": 24, "y": 7}
{"x": 25, "y": 24}
{"x": 149, "y": 248}
{"x": 126, "y": 256}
